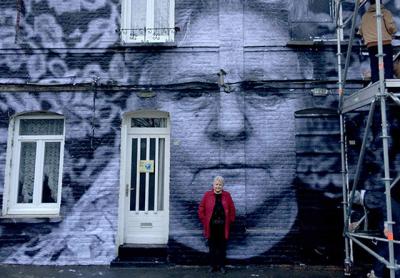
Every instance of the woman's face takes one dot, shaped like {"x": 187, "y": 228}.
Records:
{"x": 218, "y": 186}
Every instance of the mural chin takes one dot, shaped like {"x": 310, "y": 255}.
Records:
{"x": 250, "y": 228}
{"x": 259, "y": 198}
{"x": 264, "y": 227}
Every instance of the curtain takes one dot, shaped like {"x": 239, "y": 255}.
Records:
{"x": 161, "y": 15}
{"x": 26, "y": 172}
{"x": 51, "y": 163}
{"x": 41, "y": 127}
{"x": 50, "y": 172}
{"x": 139, "y": 9}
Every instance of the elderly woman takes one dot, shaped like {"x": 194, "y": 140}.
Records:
{"x": 217, "y": 212}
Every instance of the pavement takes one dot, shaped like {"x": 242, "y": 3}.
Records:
{"x": 29, "y": 271}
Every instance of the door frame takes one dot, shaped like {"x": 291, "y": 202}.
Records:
{"x": 125, "y": 131}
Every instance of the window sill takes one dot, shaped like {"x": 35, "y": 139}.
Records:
{"x": 156, "y": 45}
{"x": 319, "y": 43}
{"x": 31, "y": 219}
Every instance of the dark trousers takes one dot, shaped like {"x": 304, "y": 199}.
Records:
{"x": 387, "y": 61}
{"x": 383, "y": 250}
{"x": 217, "y": 246}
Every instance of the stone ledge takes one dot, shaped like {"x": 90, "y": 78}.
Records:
{"x": 30, "y": 220}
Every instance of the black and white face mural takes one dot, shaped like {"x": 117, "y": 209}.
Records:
{"x": 246, "y": 135}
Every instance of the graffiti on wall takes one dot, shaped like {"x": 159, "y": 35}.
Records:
{"x": 246, "y": 135}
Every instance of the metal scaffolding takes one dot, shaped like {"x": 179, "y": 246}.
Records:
{"x": 378, "y": 93}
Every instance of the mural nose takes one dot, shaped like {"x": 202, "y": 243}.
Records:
{"x": 230, "y": 122}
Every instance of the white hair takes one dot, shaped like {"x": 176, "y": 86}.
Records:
{"x": 219, "y": 178}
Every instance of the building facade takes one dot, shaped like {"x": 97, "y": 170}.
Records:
{"x": 115, "y": 117}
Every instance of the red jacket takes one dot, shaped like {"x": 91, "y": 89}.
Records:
{"x": 206, "y": 209}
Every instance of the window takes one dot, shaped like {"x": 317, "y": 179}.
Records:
{"x": 148, "y": 21}
{"x": 149, "y": 122}
{"x": 312, "y": 20}
{"x": 35, "y": 164}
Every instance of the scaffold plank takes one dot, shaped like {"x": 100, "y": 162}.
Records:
{"x": 360, "y": 98}
{"x": 392, "y": 84}
{"x": 365, "y": 96}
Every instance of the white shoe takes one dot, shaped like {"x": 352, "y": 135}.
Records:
{"x": 371, "y": 274}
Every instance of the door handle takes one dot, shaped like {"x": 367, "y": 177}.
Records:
{"x": 127, "y": 190}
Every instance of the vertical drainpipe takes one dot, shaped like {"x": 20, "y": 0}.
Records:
{"x": 17, "y": 21}
{"x": 94, "y": 88}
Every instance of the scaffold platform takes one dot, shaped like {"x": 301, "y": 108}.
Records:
{"x": 366, "y": 95}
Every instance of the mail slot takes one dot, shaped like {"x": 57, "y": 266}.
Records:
{"x": 146, "y": 225}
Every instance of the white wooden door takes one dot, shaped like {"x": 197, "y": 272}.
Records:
{"x": 146, "y": 192}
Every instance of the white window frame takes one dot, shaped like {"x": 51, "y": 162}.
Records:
{"x": 10, "y": 206}
{"x": 128, "y": 36}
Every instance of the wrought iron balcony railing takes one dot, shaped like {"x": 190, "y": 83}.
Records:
{"x": 149, "y": 34}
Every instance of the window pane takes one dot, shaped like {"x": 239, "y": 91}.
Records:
{"x": 161, "y": 157}
{"x": 161, "y": 15}
{"x": 41, "y": 127}
{"x": 152, "y": 175}
{"x": 149, "y": 122}
{"x": 133, "y": 175}
{"x": 139, "y": 9}
{"x": 50, "y": 172}
{"x": 318, "y": 6}
{"x": 26, "y": 172}
{"x": 142, "y": 191}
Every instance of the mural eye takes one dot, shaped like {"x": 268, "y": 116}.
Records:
{"x": 265, "y": 100}
{"x": 193, "y": 100}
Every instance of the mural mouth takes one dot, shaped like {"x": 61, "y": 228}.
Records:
{"x": 249, "y": 185}
{"x": 236, "y": 175}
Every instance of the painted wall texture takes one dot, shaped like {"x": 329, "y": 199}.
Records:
{"x": 282, "y": 166}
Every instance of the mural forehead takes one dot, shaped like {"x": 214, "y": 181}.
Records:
{"x": 231, "y": 41}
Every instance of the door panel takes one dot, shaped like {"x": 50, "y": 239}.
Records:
{"x": 146, "y": 220}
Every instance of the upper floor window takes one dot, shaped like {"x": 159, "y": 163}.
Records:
{"x": 34, "y": 172}
{"x": 312, "y": 20}
{"x": 148, "y": 21}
